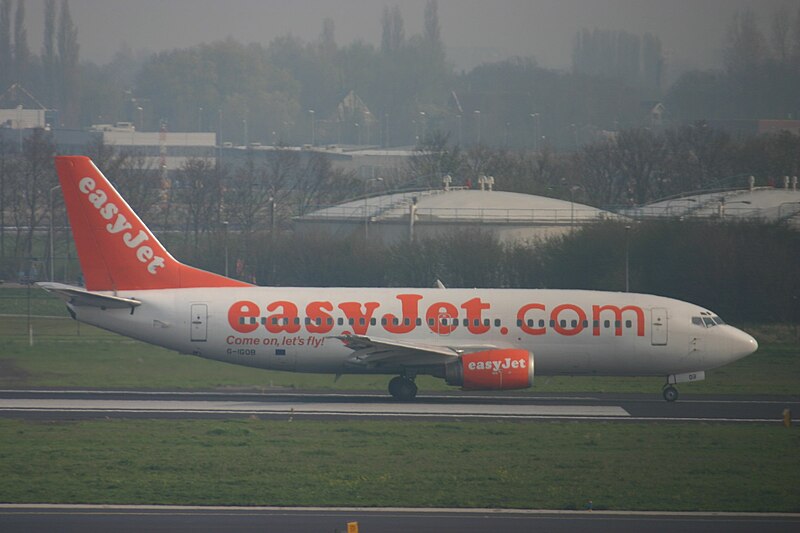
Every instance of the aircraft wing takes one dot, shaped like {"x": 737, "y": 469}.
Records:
{"x": 80, "y": 296}
{"x": 375, "y": 352}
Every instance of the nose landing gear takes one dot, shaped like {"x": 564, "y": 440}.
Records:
{"x": 402, "y": 388}
{"x": 670, "y": 393}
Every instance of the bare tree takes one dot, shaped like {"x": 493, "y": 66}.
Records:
{"x": 199, "y": 191}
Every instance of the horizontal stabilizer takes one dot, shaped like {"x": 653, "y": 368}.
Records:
{"x": 80, "y": 296}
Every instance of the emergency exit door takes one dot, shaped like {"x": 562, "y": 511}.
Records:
{"x": 199, "y": 323}
{"x": 658, "y": 326}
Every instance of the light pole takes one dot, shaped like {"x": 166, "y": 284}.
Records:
{"x": 422, "y": 121}
{"x": 52, "y": 209}
{"x": 140, "y": 111}
{"x": 477, "y": 115}
{"x": 627, "y": 257}
{"x": 313, "y": 127}
{"x": 572, "y": 206}
{"x": 535, "y": 119}
{"x": 366, "y": 213}
{"x": 225, "y": 241}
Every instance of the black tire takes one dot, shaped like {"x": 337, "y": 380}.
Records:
{"x": 670, "y": 393}
{"x": 402, "y": 389}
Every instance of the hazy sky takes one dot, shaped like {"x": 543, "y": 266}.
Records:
{"x": 692, "y": 31}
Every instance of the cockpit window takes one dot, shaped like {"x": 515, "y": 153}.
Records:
{"x": 707, "y": 320}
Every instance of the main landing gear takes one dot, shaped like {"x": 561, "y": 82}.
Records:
{"x": 403, "y": 388}
{"x": 670, "y": 393}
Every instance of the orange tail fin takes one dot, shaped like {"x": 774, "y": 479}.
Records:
{"x": 116, "y": 250}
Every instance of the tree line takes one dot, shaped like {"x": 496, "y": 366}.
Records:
{"x": 400, "y": 91}
{"x": 759, "y": 77}
{"x": 53, "y": 77}
{"x": 632, "y": 167}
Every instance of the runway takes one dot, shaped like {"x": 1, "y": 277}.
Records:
{"x": 58, "y": 404}
{"x": 121, "y": 518}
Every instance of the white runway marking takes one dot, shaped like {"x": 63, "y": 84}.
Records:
{"x": 314, "y": 408}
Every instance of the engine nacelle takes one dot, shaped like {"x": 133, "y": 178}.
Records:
{"x": 492, "y": 370}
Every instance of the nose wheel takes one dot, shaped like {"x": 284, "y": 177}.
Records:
{"x": 402, "y": 388}
{"x": 670, "y": 393}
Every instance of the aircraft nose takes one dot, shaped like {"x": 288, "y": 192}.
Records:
{"x": 740, "y": 344}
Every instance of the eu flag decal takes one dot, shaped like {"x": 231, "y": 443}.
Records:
{"x": 280, "y": 351}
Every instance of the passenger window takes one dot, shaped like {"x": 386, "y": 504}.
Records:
{"x": 563, "y": 323}
{"x": 628, "y": 324}
{"x": 596, "y": 323}
{"x": 431, "y": 322}
{"x": 340, "y": 321}
{"x": 586, "y": 323}
{"x": 519, "y": 322}
{"x": 383, "y": 321}
{"x": 486, "y": 322}
{"x": 497, "y": 322}
{"x": 541, "y": 322}
{"x": 318, "y": 321}
{"x": 574, "y": 323}
{"x": 362, "y": 321}
{"x": 606, "y": 324}
{"x": 372, "y": 321}
{"x": 419, "y": 321}
{"x": 552, "y": 323}
{"x": 530, "y": 322}
{"x": 330, "y": 321}
{"x": 407, "y": 321}
{"x": 617, "y": 324}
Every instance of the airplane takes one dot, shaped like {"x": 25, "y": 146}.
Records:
{"x": 476, "y": 339}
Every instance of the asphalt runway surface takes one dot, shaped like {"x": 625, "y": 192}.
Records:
{"x": 67, "y": 519}
{"x": 67, "y": 405}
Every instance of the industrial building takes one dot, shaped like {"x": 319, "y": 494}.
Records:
{"x": 427, "y": 213}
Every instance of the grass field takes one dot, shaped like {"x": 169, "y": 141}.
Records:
{"x": 495, "y": 464}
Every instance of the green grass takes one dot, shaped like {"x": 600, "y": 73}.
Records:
{"x": 515, "y": 465}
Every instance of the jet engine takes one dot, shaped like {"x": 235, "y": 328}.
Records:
{"x": 492, "y": 370}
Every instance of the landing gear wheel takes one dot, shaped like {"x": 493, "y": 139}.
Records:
{"x": 670, "y": 393}
{"x": 402, "y": 389}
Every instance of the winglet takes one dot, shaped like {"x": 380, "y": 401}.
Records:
{"x": 115, "y": 248}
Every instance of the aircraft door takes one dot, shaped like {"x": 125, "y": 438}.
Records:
{"x": 444, "y": 324}
{"x": 658, "y": 326}
{"x": 199, "y": 323}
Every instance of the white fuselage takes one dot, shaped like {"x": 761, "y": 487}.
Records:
{"x": 573, "y": 332}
